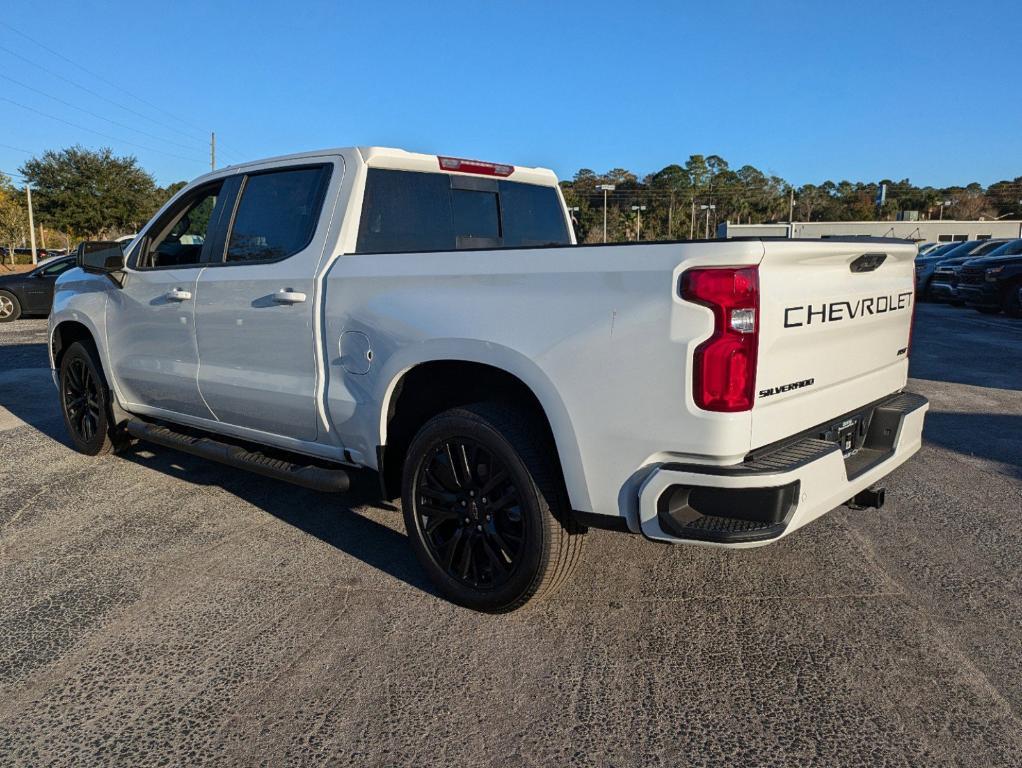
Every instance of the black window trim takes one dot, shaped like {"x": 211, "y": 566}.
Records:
{"x": 325, "y": 168}
{"x": 159, "y": 225}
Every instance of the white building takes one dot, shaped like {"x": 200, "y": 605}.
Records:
{"x": 928, "y": 231}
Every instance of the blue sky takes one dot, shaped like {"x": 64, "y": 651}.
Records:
{"x": 859, "y": 90}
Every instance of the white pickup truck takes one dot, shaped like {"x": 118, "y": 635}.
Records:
{"x": 432, "y": 319}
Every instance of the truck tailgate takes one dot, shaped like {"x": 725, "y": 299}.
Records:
{"x": 835, "y": 319}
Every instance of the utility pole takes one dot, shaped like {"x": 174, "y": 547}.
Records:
{"x": 791, "y": 205}
{"x": 670, "y": 218}
{"x": 606, "y": 188}
{"x": 942, "y": 204}
{"x": 31, "y": 222}
{"x": 212, "y": 150}
{"x": 638, "y": 222}
{"x": 692, "y": 222}
{"x": 707, "y": 208}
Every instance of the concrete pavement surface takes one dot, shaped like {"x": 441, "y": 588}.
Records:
{"x": 158, "y": 610}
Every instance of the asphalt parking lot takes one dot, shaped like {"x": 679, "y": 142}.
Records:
{"x": 156, "y": 610}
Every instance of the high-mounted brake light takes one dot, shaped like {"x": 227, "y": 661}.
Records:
{"x": 724, "y": 372}
{"x": 475, "y": 166}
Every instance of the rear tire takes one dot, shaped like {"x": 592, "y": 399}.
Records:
{"x": 485, "y": 507}
{"x": 85, "y": 403}
{"x": 10, "y": 307}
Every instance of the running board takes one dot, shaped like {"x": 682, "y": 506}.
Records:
{"x": 308, "y": 476}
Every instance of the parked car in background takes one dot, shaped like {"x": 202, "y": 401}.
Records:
{"x": 925, "y": 248}
{"x": 994, "y": 283}
{"x": 926, "y": 267}
{"x": 944, "y": 283}
{"x": 1010, "y": 248}
{"x": 31, "y": 293}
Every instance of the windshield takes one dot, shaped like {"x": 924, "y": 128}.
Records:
{"x": 987, "y": 247}
{"x": 1010, "y": 248}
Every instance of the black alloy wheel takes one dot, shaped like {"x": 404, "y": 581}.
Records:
{"x": 469, "y": 513}
{"x": 85, "y": 402}
{"x": 486, "y": 508}
{"x": 82, "y": 401}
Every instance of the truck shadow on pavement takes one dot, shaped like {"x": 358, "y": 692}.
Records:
{"x": 329, "y": 517}
{"x": 992, "y": 436}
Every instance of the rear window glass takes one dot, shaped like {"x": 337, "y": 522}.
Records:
{"x": 476, "y": 214}
{"x": 532, "y": 215}
{"x": 408, "y": 211}
{"x": 277, "y": 214}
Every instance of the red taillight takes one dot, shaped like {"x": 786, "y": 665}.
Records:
{"x": 724, "y": 374}
{"x": 475, "y": 166}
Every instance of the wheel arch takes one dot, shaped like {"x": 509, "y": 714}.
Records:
{"x": 417, "y": 389}
{"x": 64, "y": 334}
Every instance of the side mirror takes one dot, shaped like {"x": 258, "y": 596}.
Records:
{"x": 101, "y": 256}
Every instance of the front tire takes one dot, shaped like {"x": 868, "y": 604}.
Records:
{"x": 10, "y": 307}
{"x": 85, "y": 402}
{"x": 485, "y": 508}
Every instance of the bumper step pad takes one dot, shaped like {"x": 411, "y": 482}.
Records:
{"x": 743, "y": 513}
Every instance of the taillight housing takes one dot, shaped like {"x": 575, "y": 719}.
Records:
{"x": 724, "y": 366}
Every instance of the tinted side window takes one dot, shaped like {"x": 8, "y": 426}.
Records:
{"x": 532, "y": 215}
{"x": 181, "y": 235}
{"x": 277, "y": 214}
{"x": 406, "y": 211}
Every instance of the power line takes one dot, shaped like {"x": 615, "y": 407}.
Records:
{"x": 99, "y": 77}
{"x": 91, "y": 92}
{"x": 98, "y": 133}
{"x": 97, "y": 116}
{"x": 16, "y": 149}
{"x": 86, "y": 88}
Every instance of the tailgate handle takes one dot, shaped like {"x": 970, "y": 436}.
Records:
{"x": 868, "y": 262}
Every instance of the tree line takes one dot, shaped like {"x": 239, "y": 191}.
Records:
{"x": 80, "y": 193}
{"x": 681, "y": 201}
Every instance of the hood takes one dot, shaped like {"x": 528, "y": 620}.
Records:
{"x": 993, "y": 261}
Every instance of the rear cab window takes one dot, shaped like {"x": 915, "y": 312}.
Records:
{"x": 413, "y": 211}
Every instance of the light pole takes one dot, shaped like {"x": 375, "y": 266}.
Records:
{"x": 707, "y": 208}
{"x": 638, "y": 222}
{"x": 606, "y": 188}
{"x": 942, "y": 204}
{"x": 31, "y": 221}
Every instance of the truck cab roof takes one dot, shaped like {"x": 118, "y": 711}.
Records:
{"x": 400, "y": 159}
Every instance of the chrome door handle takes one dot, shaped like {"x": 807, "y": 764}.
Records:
{"x": 176, "y": 294}
{"x": 288, "y": 297}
